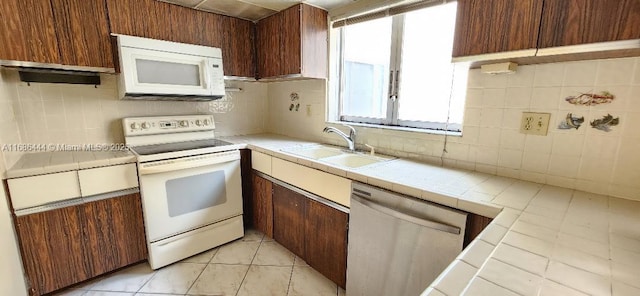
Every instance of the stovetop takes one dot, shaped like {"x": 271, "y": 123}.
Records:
{"x": 178, "y": 146}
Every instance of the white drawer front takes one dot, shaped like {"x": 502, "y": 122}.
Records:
{"x": 261, "y": 162}
{"x": 108, "y": 179}
{"x": 326, "y": 185}
{"x": 38, "y": 190}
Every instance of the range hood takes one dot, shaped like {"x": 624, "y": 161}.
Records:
{"x": 153, "y": 69}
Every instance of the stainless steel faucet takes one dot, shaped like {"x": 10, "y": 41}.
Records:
{"x": 351, "y": 138}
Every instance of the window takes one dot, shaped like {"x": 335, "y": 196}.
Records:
{"x": 397, "y": 71}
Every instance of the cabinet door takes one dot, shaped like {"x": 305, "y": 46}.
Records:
{"x": 27, "y": 31}
{"x": 268, "y": 46}
{"x": 288, "y": 219}
{"x": 262, "y": 205}
{"x": 326, "y": 241}
{"x": 571, "y": 22}
{"x": 143, "y": 18}
{"x": 290, "y": 47}
{"x": 491, "y": 26}
{"x": 83, "y": 32}
{"x": 114, "y": 233}
{"x": 52, "y": 249}
{"x": 237, "y": 50}
{"x": 314, "y": 38}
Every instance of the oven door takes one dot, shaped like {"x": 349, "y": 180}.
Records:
{"x": 187, "y": 193}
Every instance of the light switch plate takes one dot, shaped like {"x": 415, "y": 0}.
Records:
{"x": 535, "y": 123}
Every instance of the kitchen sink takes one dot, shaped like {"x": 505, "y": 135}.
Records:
{"x": 336, "y": 156}
{"x": 315, "y": 152}
{"x": 354, "y": 160}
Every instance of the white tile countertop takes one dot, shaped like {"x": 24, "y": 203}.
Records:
{"x": 31, "y": 164}
{"x": 544, "y": 240}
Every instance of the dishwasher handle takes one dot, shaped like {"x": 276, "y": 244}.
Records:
{"x": 404, "y": 216}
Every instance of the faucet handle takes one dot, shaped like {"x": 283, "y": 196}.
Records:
{"x": 352, "y": 133}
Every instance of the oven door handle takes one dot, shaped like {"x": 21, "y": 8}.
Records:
{"x": 163, "y": 166}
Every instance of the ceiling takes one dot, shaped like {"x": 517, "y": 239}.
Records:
{"x": 253, "y": 9}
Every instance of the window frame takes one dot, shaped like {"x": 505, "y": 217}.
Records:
{"x": 395, "y": 80}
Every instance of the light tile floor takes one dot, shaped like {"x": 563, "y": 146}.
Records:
{"x": 254, "y": 265}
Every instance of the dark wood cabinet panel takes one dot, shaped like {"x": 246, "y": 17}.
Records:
{"x": 315, "y": 38}
{"x": 268, "y": 61}
{"x": 11, "y": 37}
{"x": 171, "y": 22}
{"x": 144, "y": 18}
{"x": 490, "y": 26}
{"x": 246, "y": 173}
{"x": 326, "y": 242}
{"x": 52, "y": 249}
{"x": 114, "y": 233}
{"x": 262, "y": 205}
{"x": 572, "y": 22}
{"x": 28, "y": 31}
{"x": 238, "y": 48}
{"x": 293, "y": 42}
{"x": 291, "y": 46}
{"x": 475, "y": 225}
{"x": 288, "y": 219}
{"x": 83, "y": 33}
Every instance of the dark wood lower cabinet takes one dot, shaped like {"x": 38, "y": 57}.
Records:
{"x": 114, "y": 233}
{"x": 314, "y": 231}
{"x": 66, "y": 246}
{"x": 475, "y": 225}
{"x": 53, "y": 252}
{"x": 326, "y": 241}
{"x": 289, "y": 219}
{"x": 262, "y": 205}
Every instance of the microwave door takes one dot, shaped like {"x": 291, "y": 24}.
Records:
{"x": 155, "y": 72}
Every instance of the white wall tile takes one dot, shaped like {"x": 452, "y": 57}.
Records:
{"x": 535, "y": 162}
{"x": 615, "y": 71}
{"x": 545, "y": 98}
{"x": 549, "y": 75}
{"x": 580, "y": 73}
{"x": 518, "y": 97}
{"x": 523, "y": 77}
{"x": 491, "y": 117}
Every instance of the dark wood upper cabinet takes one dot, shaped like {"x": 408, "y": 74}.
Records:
{"x": 288, "y": 219}
{"x": 262, "y": 205}
{"x": 238, "y": 47}
{"x": 293, "y": 42}
{"x": 114, "y": 233}
{"x": 572, "y": 22}
{"x": 326, "y": 241}
{"x": 52, "y": 247}
{"x": 83, "y": 33}
{"x": 491, "y": 26}
{"x": 27, "y": 31}
{"x": 171, "y": 22}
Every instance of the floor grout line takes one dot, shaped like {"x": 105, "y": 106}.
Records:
{"x": 250, "y": 264}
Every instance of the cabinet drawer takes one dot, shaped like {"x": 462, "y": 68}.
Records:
{"x": 261, "y": 162}
{"x": 326, "y": 185}
{"x": 108, "y": 179}
{"x": 38, "y": 190}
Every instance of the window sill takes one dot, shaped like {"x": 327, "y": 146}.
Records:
{"x": 398, "y": 128}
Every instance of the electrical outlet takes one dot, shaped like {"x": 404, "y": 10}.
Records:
{"x": 535, "y": 123}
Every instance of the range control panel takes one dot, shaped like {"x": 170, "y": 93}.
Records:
{"x": 138, "y": 126}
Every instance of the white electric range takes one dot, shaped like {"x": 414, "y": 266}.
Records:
{"x": 190, "y": 185}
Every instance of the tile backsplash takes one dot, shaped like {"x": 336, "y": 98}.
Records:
{"x": 587, "y": 159}
{"x": 73, "y": 114}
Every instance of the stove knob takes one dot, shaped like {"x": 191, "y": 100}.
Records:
{"x": 184, "y": 123}
{"x": 135, "y": 126}
{"x": 145, "y": 125}
{"x": 198, "y": 122}
{"x": 206, "y": 122}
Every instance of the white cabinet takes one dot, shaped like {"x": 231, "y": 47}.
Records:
{"x": 261, "y": 162}
{"x": 108, "y": 179}
{"x": 38, "y": 190}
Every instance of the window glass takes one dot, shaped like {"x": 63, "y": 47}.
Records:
{"x": 366, "y": 49}
{"x": 426, "y": 71}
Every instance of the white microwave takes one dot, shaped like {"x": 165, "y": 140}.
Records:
{"x": 153, "y": 69}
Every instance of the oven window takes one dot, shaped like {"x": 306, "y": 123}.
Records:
{"x": 194, "y": 193}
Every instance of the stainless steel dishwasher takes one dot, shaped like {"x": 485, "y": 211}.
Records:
{"x": 398, "y": 244}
